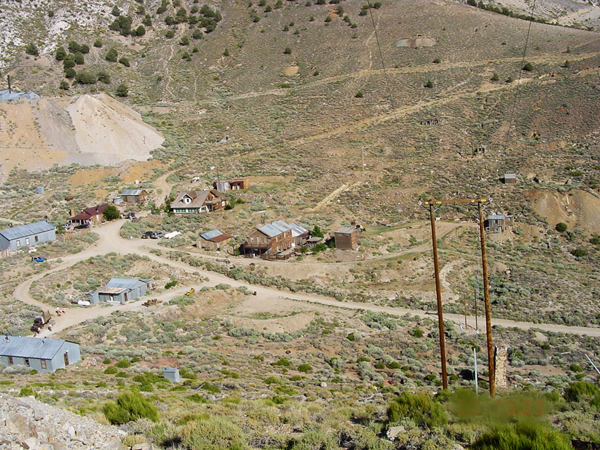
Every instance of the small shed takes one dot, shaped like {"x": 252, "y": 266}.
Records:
{"x": 171, "y": 374}
{"x": 498, "y": 223}
{"x": 134, "y": 195}
{"x": 121, "y": 290}
{"x": 346, "y": 238}
{"x": 27, "y": 235}
{"x": 214, "y": 240}
{"x": 43, "y": 355}
{"x": 510, "y": 178}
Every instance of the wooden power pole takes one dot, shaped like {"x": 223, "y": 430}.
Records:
{"x": 488, "y": 316}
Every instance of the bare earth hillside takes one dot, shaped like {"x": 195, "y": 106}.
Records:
{"x": 90, "y": 129}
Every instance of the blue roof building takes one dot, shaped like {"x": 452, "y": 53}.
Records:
{"x": 27, "y": 235}
{"x": 43, "y": 355}
{"x": 121, "y": 290}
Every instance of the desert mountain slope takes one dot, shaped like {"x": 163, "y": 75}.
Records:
{"x": 90, "y": 129}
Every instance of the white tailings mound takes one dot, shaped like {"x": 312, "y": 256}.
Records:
{"x": 90, "y": 129}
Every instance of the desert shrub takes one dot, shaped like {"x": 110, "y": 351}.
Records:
{"x": 528, "y": 67}
{"x": 171, "y": 284}
{"x": 579, "y": 252}
{"x": 287, "y": 51}
{"x": 86, "y": 78}
{"x": 31, "y": 49}
{"x": 110, "y": 370}
{"x": 523, "y": 435}
{"x": 359, "y": 94}
{"x": 282, "y": 362}
{"x": 123, "y": 364}
{"x": 305, "y": 368}
{"x": 106, "y": 361}
{"x": 111, "y": 55}
{"x": 211, "y": 388}
{"x": 561, "y": 227}
{"x": 214, "y": 433}
{"x": 26, "y": 391}
{"x": 417, "y": 332}
{"x": 124, "y": 61}
{"x": 420, "y": 408}
{"x": 103, "y": 77}
{"x": 579, "y": 390}
{"x": 129, "y": 407}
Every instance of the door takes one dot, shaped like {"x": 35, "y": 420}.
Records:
{"x": 66, "y": 357}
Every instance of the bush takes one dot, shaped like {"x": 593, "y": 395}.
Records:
{"x": 86, "y": 78}
{"x": 63, "y": 85}
{"x": 129, "y": 407}
{"x": 282, "y": 362}
{"x": 305, "y": 368}
{"x": 171, "y": 284}
{"x": 287, "y": 51}
{"x": 523, "y": 435}
{"x": 429, "y": 84}
{"x": 420, "y": 408}
{"x": 111, "y": 370}
{"x": 579, "y": 390}
{"x": 111, "y": 55}
{"x": 417, "y": 332}
{"x": 60, "y": 54}
{"x": 124, "y": 61}
{"x": 579, "y": 252}
{"x": 123, "y": 364}
{"x": 103, "y": 77}
{"x": 31, "y": 49}
{"x": 561, "y": 227}
{"x": 214, "y": 433}
{"x": 359, "y": 94}
{"x": 122, "y": 91}
{"x": 98, "y": 43}
{"x": 528, "y": 67}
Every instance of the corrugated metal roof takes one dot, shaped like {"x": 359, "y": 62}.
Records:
{"x": 496, "y": 217}
{"x": 12, "y": 96}
{"x": 123, "y": 283}
{"x": 274, "y": 228}
{"x": 26, "y": 230}
{"x": 131, "y": 191}
{"x": 210, "y": 234}
{"x": 297, "y": 229}
{"x": 26, "y": 347}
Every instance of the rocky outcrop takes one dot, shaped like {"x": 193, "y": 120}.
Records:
{"x": 26, "y": 423}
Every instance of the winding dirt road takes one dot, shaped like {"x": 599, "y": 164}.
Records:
{"x": 110, "y": 241}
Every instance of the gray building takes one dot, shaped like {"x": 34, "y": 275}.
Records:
{"x": 43, "y": 355}
{"x": 26, "y": 235}
{"x": 498, "y": 223}
{"x": 171, "y": 374}
{"x": 121, "y": 290}
{"x": 7, "y": 95}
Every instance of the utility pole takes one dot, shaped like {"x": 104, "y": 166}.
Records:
{"x": 438, "y": 292}
{"x": 486, "y": 297}
{"x": 488, "y": 316}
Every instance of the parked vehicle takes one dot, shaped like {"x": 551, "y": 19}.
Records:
{"x": 149, "y": 235}
{"x": 38, "y": 259}
{"x": 40, "y": 321}
{"x": 130, "y": 215}
{"x": 83, "y": 226}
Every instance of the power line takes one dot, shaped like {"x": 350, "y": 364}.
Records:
{"x": 385, "y": 75}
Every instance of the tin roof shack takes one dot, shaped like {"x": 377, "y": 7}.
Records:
{"x": 214, "y": 240}
{"x": 134, "y": 195}
{"x": 498, "y": 223}
{"x": 346, "y": 238}
{"x": 121, "y": 290}
{"x": 94, "y": 215}
{"x": 235, "y": 184}
{"x": 43, "y": 355}
{"x": 27, "y": 235}
{"x": 8, "y": 95}
{"x": 510, "y": 178}
{"x": 171, "y": 374}
{"x": 269, "y": 240}
{"x": 299, "y": 233}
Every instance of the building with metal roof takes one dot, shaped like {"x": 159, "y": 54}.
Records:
{"x": 214, "y": 240}
{"x": 7, "y": 95}
{"x": 269, "y": 240}
{"x": 27, "y": 235}
{"x": 121, "y": 290}
{"x": 498, "y": 223}
{"x": 133, "y": 195}
{"x": 43, "y": 355}
{"x": 346, "y": 238}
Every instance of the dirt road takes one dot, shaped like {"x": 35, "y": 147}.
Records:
{"x": 110, "y": 241}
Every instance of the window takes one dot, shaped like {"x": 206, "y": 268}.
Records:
{"x": 43, "y": 364}
{"x": 10, "y": 361}
{"x": 18, "y": 244}
{"x": 26, "y": 241}
{"x": 36, "y": 239}
{"x": 27, "y": 363}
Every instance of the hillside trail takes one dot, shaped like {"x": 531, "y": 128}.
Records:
{"x": 110, "y": 241}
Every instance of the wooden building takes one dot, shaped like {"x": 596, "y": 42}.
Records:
{"x": 214, "y": 241}
{"x": 346, "y": 238}
{"x": 269, "y": 240}
{"x": 498, "y": 223}
{"x": 134, "y": 195}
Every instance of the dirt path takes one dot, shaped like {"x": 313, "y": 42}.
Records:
{"x": 333, "y": 195}
{"x": 110, "y": 241}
